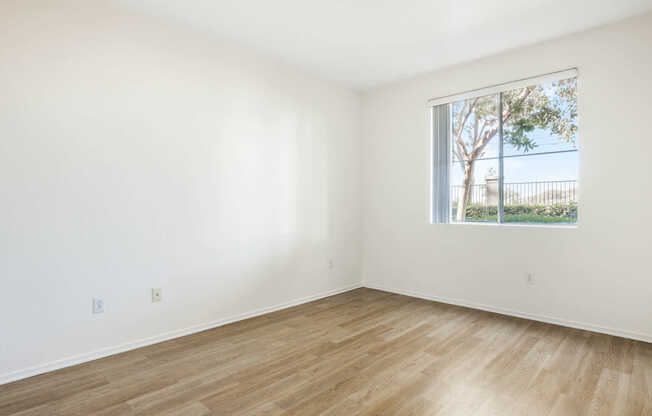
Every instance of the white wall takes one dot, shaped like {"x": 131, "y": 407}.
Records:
{"x": 596, "y": 276}
{"x": 134, "y": 154}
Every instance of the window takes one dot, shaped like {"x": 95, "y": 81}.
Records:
{"x": 508, "y": 153}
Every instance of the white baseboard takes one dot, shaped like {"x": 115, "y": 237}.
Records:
{"x": 541, "y": 318}
{"x": 104, "y": 352}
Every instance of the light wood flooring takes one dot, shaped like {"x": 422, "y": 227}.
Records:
{"x": 363, "y": 352}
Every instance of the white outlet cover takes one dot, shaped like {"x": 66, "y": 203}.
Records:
{"x": 529, "y": 278}
{"x": 98, "y": 305}
{"x": 156, "y": 295}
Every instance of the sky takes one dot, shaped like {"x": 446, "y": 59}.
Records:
{"x": 528, "y": 167}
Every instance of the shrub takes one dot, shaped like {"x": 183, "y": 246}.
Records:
{"x": 524, "y": 213}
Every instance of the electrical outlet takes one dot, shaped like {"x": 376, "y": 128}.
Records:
{"x": 156, "y": 295}
{"x": 331, "y": 265}
{"x": 529, "y": 279}
{"x": 98, "y": 305}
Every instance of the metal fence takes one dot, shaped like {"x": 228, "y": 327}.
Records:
{"x": 523, "y": 193}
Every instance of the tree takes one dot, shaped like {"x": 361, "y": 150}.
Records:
{"x": 551, "y": 107}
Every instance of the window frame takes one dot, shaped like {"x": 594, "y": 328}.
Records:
{"x": 436, "y": 212}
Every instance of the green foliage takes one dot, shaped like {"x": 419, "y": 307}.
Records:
{"x": 551, "y": 107}
{"x": 516, "y": 134}
{"x": 556, "y": 213}
{"x": 538, "y": 219}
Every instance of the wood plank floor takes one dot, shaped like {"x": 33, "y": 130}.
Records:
{"x": 364, "y": 352}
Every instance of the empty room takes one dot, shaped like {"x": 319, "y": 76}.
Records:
{"x": 249, "y": 207}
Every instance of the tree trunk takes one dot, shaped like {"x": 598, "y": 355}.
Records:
{"x": 463, "y": 200}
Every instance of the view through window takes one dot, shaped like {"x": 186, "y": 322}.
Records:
{"x": 512, "y": 156}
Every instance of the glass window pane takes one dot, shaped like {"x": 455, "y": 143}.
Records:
{"x": 474, "y": 170}
{"x": 540, "y": 164}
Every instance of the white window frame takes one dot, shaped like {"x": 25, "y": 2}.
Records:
{"x": 440, "y": 210}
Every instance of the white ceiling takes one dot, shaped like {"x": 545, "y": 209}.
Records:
{"x": 364, "y": 43}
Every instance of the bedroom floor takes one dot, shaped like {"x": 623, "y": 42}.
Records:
{"x": 363, "y": 352}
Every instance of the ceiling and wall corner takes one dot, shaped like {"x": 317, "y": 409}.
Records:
{"x": 366, "y": 43}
